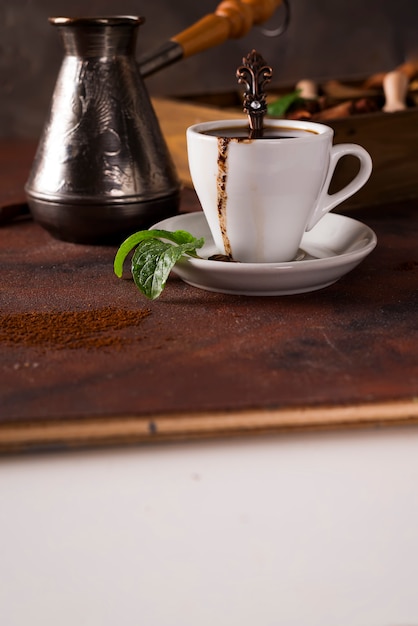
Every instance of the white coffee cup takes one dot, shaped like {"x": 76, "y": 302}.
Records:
{"x": 259, "y": 196}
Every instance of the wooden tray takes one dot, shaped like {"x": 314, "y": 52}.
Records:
{"x": 390, "y": 138}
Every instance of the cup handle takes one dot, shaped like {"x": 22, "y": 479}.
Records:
{"x": 328, "y": 201}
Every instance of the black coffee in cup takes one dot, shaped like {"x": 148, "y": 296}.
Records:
{"x": 269, "y": 132}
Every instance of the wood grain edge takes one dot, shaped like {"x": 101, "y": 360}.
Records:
{"x": 119, "y": 430}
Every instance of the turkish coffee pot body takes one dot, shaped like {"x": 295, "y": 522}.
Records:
{"x": 102, "y": 168}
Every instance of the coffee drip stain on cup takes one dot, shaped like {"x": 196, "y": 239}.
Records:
{"x": 223, "y": 144}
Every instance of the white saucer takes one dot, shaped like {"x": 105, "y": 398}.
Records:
{"x": 332, "y": 249}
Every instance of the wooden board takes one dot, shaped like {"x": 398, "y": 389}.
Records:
{"x": 193, "y": 363}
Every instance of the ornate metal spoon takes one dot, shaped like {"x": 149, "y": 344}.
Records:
{"x": 255, "y": 74}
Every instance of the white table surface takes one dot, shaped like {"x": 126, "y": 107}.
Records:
{"x": 293, "y": 530}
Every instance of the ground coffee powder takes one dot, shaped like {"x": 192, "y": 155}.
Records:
{"x": 88, "y": 329}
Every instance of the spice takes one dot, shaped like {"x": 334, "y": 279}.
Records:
{"x": 88, "y": 329}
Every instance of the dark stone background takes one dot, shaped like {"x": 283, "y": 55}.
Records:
{"x": 326, "y": 39}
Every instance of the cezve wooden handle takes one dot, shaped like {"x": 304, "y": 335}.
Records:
{"x": 232, "y": 19}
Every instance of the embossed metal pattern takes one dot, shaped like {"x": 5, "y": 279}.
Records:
{"x": 255, "y": 74}
{"x": 102, "y": 143}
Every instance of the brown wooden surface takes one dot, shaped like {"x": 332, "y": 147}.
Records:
{"x": 204, "y": 364}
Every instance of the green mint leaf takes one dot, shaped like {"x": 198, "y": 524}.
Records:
{"x": 177, "y": 236}
{"x": 279, "y": 107}
{"x": 154, "y": 257}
